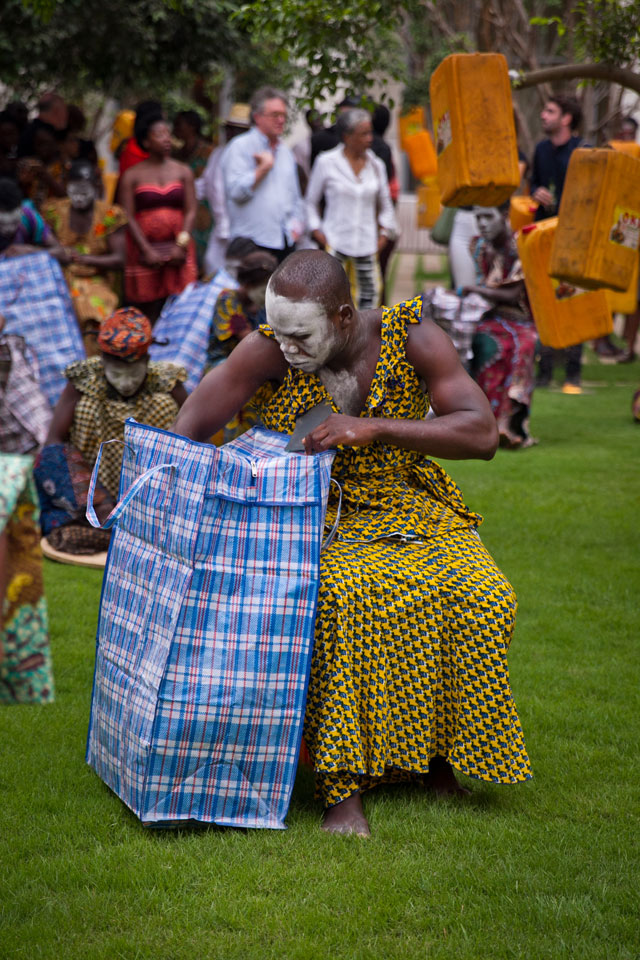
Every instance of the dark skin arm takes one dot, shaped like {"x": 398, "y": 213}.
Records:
{"x": 113, "y": 260}
{"x": 63, "y": 415}
{"x": 179, "y": 394}
{"x": 464, "y": 426}
{"x": 510, "y": 294}
{"x": 227, "y": 388}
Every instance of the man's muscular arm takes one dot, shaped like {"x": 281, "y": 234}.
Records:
{"x": 464, "y": 426}
{"x": 227, "y": 388}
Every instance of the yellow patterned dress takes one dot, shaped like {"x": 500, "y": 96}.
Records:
{"x": 414, "y": 618}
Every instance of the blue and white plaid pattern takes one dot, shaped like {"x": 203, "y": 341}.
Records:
{"x": 35, "y": 302}
{"x": 206, "y": 627}
{"x": 186, "y": 322}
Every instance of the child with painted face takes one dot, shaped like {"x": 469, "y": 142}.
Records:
{"x": 105, "y": 390}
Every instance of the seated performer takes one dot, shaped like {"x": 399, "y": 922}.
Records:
{"x": 101, "y": 394}
{"x": 409, "y": 675}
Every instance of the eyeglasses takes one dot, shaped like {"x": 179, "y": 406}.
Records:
{"x": 276, "y": 115}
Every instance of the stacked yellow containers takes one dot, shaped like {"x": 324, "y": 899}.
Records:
{"x": 626, "y": 302}
{"x": 429, "y": 206}
{"x": 564, "y": 314}
{"x": 626, "y": 146}
{"x": 410, "y": 123}
{"x": 596, "y": 243}
{"x": 422, "y": 155}
{"x": 474, "y": 130}
{"x": 521, "y": 212}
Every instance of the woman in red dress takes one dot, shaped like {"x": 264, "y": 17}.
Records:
{"x": 159, "y": 198}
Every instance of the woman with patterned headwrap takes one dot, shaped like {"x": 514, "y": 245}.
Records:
{"x": 102, "y": 393}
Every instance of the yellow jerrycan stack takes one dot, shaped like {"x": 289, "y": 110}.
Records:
{"x": 596, "y": 243}
{"x": 422, "y": 155}
{"x": 410, "y": 123}
{"x": 626, "y": 302}
{"x": 474, "y": 130}
{"x": 521, "y": 212}
{"x": 626, "y": 146}
{"x": 429, "y": 206}
{"x": 563, "y": 313}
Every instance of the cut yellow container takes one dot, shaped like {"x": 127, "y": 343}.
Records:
{"x": 563, "y": 314}
{"x": 521, "y": 211}
{"x": 422, "y": 155}
{"x": 474, "y": 130}
{"x": 626, "y": 302}
{"x": 596, "y": 243}
{"x": 410, "y": 123}
{"x": 429, "y": 207}
{"x": 626, "y": 146}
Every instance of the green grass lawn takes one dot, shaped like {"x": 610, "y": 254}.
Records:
{"x": 547, "y": 869}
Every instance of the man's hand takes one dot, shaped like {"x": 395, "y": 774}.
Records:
{"x": 543, "y": 196}
{"x": 337, "y": 430}
{"x": 264, "y": 161}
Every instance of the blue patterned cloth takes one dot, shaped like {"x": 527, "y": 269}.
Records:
{"x": 206, "y": 627}
{"x": 186, "y": 322}
{"x": 35, "y": 302}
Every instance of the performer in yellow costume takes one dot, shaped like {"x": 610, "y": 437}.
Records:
{"x": 409, "y": 674}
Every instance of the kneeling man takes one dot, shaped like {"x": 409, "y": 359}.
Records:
{"x": 409, "y": 676}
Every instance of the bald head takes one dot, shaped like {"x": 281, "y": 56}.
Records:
{"x": 313, "y": 275}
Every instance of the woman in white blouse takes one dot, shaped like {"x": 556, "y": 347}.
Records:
{"x": 358, "y": 219}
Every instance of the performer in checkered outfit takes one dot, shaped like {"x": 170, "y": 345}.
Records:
{"x": 409, "y": 677}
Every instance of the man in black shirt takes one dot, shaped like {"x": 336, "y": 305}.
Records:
{"x": 560, "y": 117}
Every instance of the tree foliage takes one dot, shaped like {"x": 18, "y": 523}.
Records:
{"x": 122, "y": 49}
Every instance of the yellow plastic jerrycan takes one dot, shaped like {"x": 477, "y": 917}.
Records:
{"x": 429, "y": 207}
{"x": 422, "y": 155}
{"x": 474, "y": 130}
{"x": 521, "y": 211}
{"x": 564, "y": 314}
{"x": 626, "y": 302}
{"x": 626, "y": 146}
{"x": 410, "y": 123}
{"x": 596, "y": 243}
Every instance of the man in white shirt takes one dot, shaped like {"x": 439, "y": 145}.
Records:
{"x": 210, "y": 187}
{"x": 261, "y": 180}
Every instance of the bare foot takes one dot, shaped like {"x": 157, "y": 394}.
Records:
{"x": 441, "y": 779}
{"x": 346, "y": 817}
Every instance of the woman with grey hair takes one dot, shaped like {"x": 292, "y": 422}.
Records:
{"x": 358, "y": 219}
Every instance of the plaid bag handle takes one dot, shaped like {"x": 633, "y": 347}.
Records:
{"x": 120, "y": 507}
{"x": 328, "y": 540}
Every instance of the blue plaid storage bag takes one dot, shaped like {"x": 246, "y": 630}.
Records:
{"x": 36, "y": 304}
{"x": 206, "y": 626}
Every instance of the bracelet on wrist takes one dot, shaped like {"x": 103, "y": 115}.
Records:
{"x": 183, "y": 239}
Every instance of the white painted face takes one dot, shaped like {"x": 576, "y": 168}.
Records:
{"x": 490, "y": 222}
{"x": 307, "y": 337}
{"x": 81, "y": 193}
{"x": 257, "y": 294}
{"x": 126, "y": 378}
{"x": 9, "y": 222}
